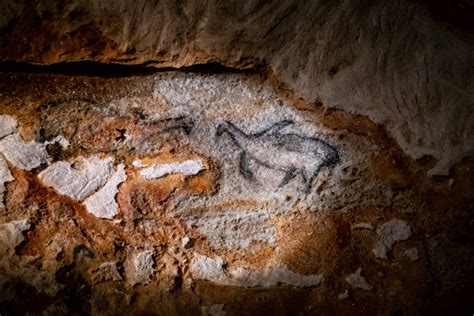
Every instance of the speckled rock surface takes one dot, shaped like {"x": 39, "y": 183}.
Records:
{"x": 179, "y": 191}
{"x": 327, "y": 170}
{"x": 392, "y": 61}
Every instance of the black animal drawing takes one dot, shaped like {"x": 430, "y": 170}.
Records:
{"x": 290, "y": 153}
{"x": 183, "y": 123}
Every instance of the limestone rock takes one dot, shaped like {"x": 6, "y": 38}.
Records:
{"x": 393, "y": 65}
{"x": 11, "y": 235}
{"x": 367, "y": 226}
{"x": 102, "y": 203}
{"x": 5, "y": 176}
{"x": 143, "y": 267}
{"x": 61, "y": 140}
{"x": 213, "y": 310}
{"x": 358, "y": 281}
{"x": 216, "y": 270}
{"x": 244, "y": 185}
{"x": 344, "y": 295}
{"x": 23, "y": 155}
{"x": 80, "y": 178}
{"x": 107, "y": 271}
{"x": 389, "y": 233}
{"x": 412, "y": 254}
{"x": 235, "y": 229}
{"x": 185, "y": 168}
{"x": 8, "y": 125}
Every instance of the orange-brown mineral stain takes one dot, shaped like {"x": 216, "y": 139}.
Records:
{"x": 312, "y": 243}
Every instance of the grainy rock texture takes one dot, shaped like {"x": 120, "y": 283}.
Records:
{"x": 327, "y": 170}
{"x": 387, "y": 60}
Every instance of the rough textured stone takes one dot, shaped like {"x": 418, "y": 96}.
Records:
{"x": 107, "y": 271}
{"x": 22, "y": 154}
{"x": 102, "y": 203}
{"x": 266, "y": 221}
{"x": 186, "y": 168}
{"x": 331, "y": 118}
{"x": 215, "y": 270}
{"x": 344, "y": 296}
{"x": 394, "y": 63}
{"x": 389, "y": 233}
{"x": 357, "y": 281}
{"x": 412, "y": 254}
{"x": 364, "y": 226}
{"x": 5, "y": 176}
{"x": 8, "y": 125}
{"x": 143, "y": 267}
{"x": 80, "y": 178}
{"x": 11, "y": 235}
{"x": 234, "y": 229}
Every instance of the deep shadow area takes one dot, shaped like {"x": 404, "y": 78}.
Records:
{"x": 114, "y": 70}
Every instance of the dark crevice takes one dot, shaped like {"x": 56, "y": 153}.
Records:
{"x": 106, "y": 70}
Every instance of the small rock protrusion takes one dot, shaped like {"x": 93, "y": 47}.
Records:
{"x": 389, "y": 233}
{"x": 451, "y": 182}
{"x": 11, "y": 235}
{"x": 344, "y": 295}
{"x": 367, "y": 226}
{"x": 143, "y": 266}
{"x": 412, "y": 254}
{"x": 358, "y": 281}
{"x": 187, "y": 242}
{"x": 107, "y": 271}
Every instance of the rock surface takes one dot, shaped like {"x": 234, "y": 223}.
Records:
{"x": 273, "y": 186}
{"x": 389, "y": 233}
{"x": 357, "y": 281}
{"x": 78, "y": 179}
{"x": 394, "y": 62}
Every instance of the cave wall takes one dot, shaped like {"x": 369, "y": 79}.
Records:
{"x": 389, "y": 61}
{"x": 236, "y": 157}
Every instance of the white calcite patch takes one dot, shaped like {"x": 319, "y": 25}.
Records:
{"x": 11, "y": 235}
{"x": 80, "y": 178}
{"x": 8, "y": 125}
{"x": 5, "y": 176}
{"x": 102, "y": 203}
{"x": 358, "y": 281}
{"x": 389, "y": 233}
{"x": 235, "y": 229}
{"x": 216, "y": 270}
{"x": 23, "y": 155}
{"x": 61, "y": 140}
{"x": 143, "y": 266}
{"x": 211, "y": 269}
{"x": 185, "y": 168}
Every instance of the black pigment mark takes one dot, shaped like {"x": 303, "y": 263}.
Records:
{"x": 178, "y": 123}
{"x": 82, "y": 250}
{"x": 42, "y": 135}
{"x": 293, "y": 154}
{"x": 122, "y": 134}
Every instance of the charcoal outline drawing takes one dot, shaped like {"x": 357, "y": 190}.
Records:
{"x": 291, "y": 153}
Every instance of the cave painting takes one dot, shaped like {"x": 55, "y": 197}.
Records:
{"x": 182, "y": 123}
{"x": 293, "y": 154}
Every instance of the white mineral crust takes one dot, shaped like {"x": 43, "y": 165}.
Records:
{"x": 102, "y": 203}
{"x": 186, "y": 168}
{"x": 80, "y": 178}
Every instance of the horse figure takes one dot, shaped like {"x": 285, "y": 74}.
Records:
{"x": 290, "y": 153}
